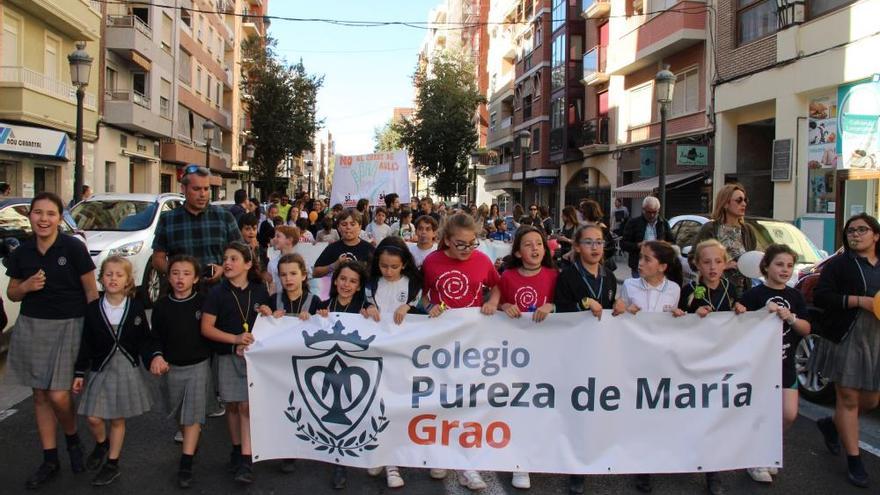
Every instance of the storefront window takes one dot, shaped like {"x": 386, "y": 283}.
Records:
{"x": 822, "y": 160}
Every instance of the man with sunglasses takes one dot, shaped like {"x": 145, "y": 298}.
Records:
{"x": 197, "y": 228}
{"x": 647, "y": 227}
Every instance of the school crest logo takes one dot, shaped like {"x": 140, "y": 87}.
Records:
{"x": 62, "y": 261}
{"x": 338, "y": 389}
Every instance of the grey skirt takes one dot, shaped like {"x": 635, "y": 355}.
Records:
{"x": 42, "y": 352}
{"x": 232, "y": 378}
{"x": 855, "y": 361}
{"x": 117, "y": 391}
{"x": 188, "y": 392}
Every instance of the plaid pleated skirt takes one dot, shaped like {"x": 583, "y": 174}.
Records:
{"x": 42, "y": 352}
{"x": 855, "y": 361}
{"x": 188, "y": 392}
{"x": 232, "y": 378}
{"x": 117, "y": 391}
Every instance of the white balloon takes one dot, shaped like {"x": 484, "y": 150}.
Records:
{"x": 749, "y": 264}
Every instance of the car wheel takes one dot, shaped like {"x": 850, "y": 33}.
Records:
{"x": 811, "y": 384}
{"x": 152, "y": 286}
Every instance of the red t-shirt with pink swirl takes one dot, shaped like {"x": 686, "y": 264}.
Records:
{"x": 458, "y": 283}
{"x": 528, "y": 293}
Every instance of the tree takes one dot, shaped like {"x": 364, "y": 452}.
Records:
{"x": 387, "y": 137}
{"x": 442, "y": 134}
{"x": 282, "y": 107}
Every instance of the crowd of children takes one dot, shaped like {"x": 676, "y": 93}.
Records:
{"x": 383, "y": 277}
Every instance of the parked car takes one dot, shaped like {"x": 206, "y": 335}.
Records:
{"x": 124, "y": 224}
{"x": 685, "y": 228}
{"x": 15, "y": 228}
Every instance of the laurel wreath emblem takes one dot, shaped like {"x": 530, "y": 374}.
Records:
{"x": 346, "y": 446}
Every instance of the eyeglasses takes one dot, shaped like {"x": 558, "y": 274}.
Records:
{"x": 592, "y": 243}
{"x": 857, "y": 231}
{"x": 196, "y": 169}
{"x": 741, "y": 200}
{"x": 461, "y": 246}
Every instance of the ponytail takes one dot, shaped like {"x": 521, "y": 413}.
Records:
{"x": 667, "y": 254}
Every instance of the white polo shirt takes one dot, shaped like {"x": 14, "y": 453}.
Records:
{"x": 651, "y": 299}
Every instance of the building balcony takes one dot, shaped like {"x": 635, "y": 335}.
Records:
{"x": 594, "y": 66}
{"x": 29, "y": 96}
{"x": 133, "y": 111}
{"x": 181, "y": 151}
{"x": 77, "y": 19}
{"x": 594, "y": 138}
{"x": 593, "y": 9}
{"x": 658, "y": 37}
{"x": 251, "y": 26}
{"x": 501, "y": 133}
{"x": 503, "y": 168}
{"x": 132, "y": 39}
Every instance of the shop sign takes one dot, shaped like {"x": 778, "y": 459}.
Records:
{"x": 33, "y": 140}
{"x": 695, "y": 156}
{"x": 545, "y": 181}
{"x": 859, "y": 124}
{"x": 647, "y": 162}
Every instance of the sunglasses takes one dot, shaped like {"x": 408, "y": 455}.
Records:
{"x": 196, "y": 169}
{"x": 741, "y": 200}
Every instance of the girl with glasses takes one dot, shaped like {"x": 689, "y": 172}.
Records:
{"x": 846, "y": 290}
{"x": 454, "y": 277}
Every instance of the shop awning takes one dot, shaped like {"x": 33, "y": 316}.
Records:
{"x": 647, "y": 187}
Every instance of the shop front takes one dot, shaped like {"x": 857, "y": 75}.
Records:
{"x": 33, "y": 159}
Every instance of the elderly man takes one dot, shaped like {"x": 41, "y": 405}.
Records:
{"x": 648, "y": 227}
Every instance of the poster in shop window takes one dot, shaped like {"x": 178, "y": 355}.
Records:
{"x": 822, "y": 155}
{"x": 859, "y": 124}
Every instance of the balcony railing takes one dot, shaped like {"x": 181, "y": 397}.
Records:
{"x": 594, "y": 8}
{"x": 594, "y": 64}
{"x": 498, "y": 169}
{"x": 130, "y": 21}
{"x": 36, "y": 81}
{"x": 132, "y": 96}
{"x": 595, "y": 131}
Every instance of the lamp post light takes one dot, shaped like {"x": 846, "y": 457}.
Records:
{"x": 525, "y": 149}
{"x": 475, "y": 160}
{"x": 249, "y": 156}
{"x": 310, "y": 167}
{"x": 80, "y": 69}
{"x": 665, "y": 83}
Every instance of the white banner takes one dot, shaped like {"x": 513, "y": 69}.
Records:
{"x": 370, "y": 176}
{"x": 628, "y": 394}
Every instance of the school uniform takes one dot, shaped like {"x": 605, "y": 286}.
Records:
{"x": 114, "y": 340}
{"x": 177, "y": 325}
{"x": 695, "y": 295}
{"x": 575, "y": 284}
{"x": 651, "y": 299}
{"x": 389, "y": 296}
{"x": 46, "y": 337}
{"x": 236, "y": 310}
{"x": 305, "y": 302}
{"x": 357, "y": 303}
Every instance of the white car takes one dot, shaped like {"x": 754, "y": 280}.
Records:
{"x": 124, "y": 224}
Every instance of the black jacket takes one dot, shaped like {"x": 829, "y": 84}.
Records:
{"x": 634, "y": 233}
{"x": 840, "y": 278}
{"x": 133, "y": 339}
{"x": 571, "y": 289}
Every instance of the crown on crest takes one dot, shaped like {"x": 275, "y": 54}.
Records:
{"x": 353, "y": 338}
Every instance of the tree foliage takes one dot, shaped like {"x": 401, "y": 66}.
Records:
{"x": 386, "y": 138}
{"x": 442, "y": 134}
{"x": 282, "y": 102}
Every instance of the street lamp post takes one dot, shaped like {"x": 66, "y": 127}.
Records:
{"x": 525, "y": 149}
{"x": 665, "y": 82}
{"x": 208, "y": 134}
{"x": 310, "y": 166}
{"x": 249, "y": 155}
{"x": 475, "y": 159}
{"x": 80, "y": 68}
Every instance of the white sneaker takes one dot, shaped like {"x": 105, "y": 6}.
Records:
{"x": 178, "y": 437}
{"x": 471, "y": 479}
{"x": 438, "y": 474}
{"x": 218, "y": 413}
{"x": 375, "y": 471}
{"x": 521, "y": 480}
{"x": 392, "y": 476}
{"x": 761, "y": 475}
{"x": 773, "y": 471}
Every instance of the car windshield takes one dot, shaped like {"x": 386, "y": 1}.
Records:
{"x": 120, "y": 215}
{"x": 772, "y": 232}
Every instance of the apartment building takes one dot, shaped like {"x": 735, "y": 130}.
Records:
{"x": 797, "y": 110}
{"x": 628, "y": 43}
{"x": 37, "y": 101}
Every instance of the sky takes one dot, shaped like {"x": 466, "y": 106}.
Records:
{"x": 367, "y": 70}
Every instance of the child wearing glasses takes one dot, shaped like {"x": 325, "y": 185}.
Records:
{"x": 454, "y": 277}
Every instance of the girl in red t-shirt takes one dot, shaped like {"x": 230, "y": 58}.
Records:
{"x": 529, "y": 283}
{"x": 454, "y": 277}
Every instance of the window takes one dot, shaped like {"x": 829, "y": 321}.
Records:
{"x": 184, "y": 123}
{"x": 123, "y": 141}
{"x": 686, "y": 97}
{"x": 640, "y": 101}
{"x": 560, "y": 8}
{"x": 110, "y": 80}
{"x": 493, "y": 121}
{"x": 219, "y": 93}
{"x": 536, "y": 139}
{"x": 821, "y": 7}
{"x": 557, "y": 113}
{"x": 110, "y": 176}
{"x": 755, "y": 19}
{"x": 539, "y": 34}
{"x": 536, "y": 85}
{"x": 209, "y": 85}
{"x": 165, "y": 98}
{"x": 210, "y": 43}
{"x": 558, "y": 63}
{"x": 527, "y": 107}
{"x": 141, "y": 13}
{"x": 198, "y": 84}
{"x": 11, "y": 38}
{"x": 167, "y": 29}
{"x": 51, "y": 58}
{"x": 186, "y": 17}
{"x": 140, "y": 89}
{"x": 185, "y": 69}
{"x": 576, "y": 50}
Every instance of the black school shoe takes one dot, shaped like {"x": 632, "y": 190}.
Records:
{"x": 75, "y": 453}
{"x": 576, "y": 484}
{"x": 107, "y": 474}
{"x": 829, "y": 434}
{"x": 244, "y": 474}
{"x": 96, "y": 458}
{"x": 45, "y": 472}
{"x": 714, "y": 485}
{"x": 184, "y": 478}
{"x": 340, "y": 477}
{"x": 856, "y": 473}
{"x": 643, "y": 483}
